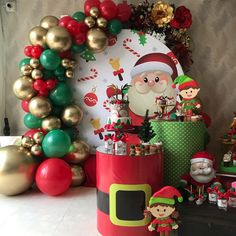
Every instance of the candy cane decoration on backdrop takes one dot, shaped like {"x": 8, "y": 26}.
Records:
{"x": 128, "y": 40}
{"x": 93, "y": 76}
{"x": 106, "y": 106}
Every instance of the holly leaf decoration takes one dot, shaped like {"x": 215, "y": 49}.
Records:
{"x": 142, "y": 39}
{"x": 88, "y": 55}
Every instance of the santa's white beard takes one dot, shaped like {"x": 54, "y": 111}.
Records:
{"x": 202, "y": 178}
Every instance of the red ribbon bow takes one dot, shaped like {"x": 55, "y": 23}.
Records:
{"x": 107, "y": 137}
{"x": 118, "y": 72}
{"x": 98, "y": 131}
{"x": 122, "y": 138}
{"x": 215, "y": 189}
{"x": 223, "y": 195}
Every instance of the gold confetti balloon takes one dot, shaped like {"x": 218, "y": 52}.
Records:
{"x": 40, "y": 106}
{"x": 37, "y": 36}
{"x": 26, "y": 69}
{"x": 72, "y": 115}
{"x": 34, "y": 63}
{"x": 89, "y": 21}
{"x": 49, "y": 21}
{"x": 94, "y": 12}
{"x": 38, "y": 137}
{"x": 65, "y": 62}
{"x": 17, "y": 170}
{"x": 96, "y": 40}
{"x": 51, "y": 122}
{"x": 36, "y": 74}
{"x": 23, "y": 88}
{"x": 36, "y": 150}
{"x": 27, "y": 142}
{"x": 78, "y": 175}
{"x": 58, "y": 38}
{"x": 102, "y": 22}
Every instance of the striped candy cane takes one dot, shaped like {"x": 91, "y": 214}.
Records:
{"x": 93, "y": 76}
{"x": 128, "y": 48}
{"x": 105, "y": 105}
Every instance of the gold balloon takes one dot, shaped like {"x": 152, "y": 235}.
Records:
{"x": 34, "y": 63}
{"x": 51, "y": 122}
{"x": 94, "y": 12}
{"x": 102, "y": 22}
{"x": 72, "y": 115}
{"x": 89, "y": 21}
{"x": 69, "y": 73}
{"x": 40, "y": 106}
{"x": 17, "y": 170}
{"x": 96, "y": 40}
{"x": 72, "y": 64}
{"x": 27, "y": 142}
{"x": 49, "y": 22}
{"x": 58, "y": 38}
{"x": 78, "y": 175}
{"x": 37, "y": 74}
{"x": 37, "y": 36}
{"x": 65, "y": 63}
{"x": 79, "y": 154}
{"x": 38, "y": 137}
{"x": 26, "y": 69}
{"x": 36, "y": 150}
{"x": 23, "y": 88}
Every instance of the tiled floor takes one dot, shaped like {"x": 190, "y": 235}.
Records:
{"x": 36, "y": 214}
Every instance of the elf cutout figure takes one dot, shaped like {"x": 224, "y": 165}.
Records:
{"x": 188, "y": 90}
{"x": 161, "y": 206}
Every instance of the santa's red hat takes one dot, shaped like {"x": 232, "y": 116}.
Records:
{"x": 202, "y": 157}
{"x": 166, "y": 196}
{"x": 154, "y": 62}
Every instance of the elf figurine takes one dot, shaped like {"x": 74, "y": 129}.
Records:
{"x": 161, "y": 206}
{"x": 188, "y": 90}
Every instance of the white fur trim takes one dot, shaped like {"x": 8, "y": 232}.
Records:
{"x": 201, "y": 159}
{"x": 149, "y": 66}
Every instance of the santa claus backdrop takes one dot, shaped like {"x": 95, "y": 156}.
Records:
{"x": 140, "y": 60}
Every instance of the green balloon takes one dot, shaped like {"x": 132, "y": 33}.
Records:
{"x": 32, "y": 122}
{"x": 114, "y": 26}
{"x": 72, "y": 132}
{"x": 56, "y": 143}
{"x": 50, "y": 59}
{"x": 60, "y": 71}
{"x": 61, "y": 95}
{"x": 78, "y": 48}
{"x": 79, "y": 16}
{"x": 57, "y": 110}
{"x": 48, "y": 74}
{"x": 25, "y": 61}
{"x": 62, "y": 78}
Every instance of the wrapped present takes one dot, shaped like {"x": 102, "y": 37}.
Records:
{"x": 213, "y": 194}
{"x": 232, "y": 198}
{"x": 222, "y": 201}
{"x": 120, "y": 144}
{"x": 109, "y": 143}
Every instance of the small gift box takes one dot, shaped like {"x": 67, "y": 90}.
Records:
{"x": 222, "y": 201}
{"x": 232, "y": 198}
{"x": 120, "y": 144}
{"x": 213, "y": 194}
{"x": 109, "y": 143}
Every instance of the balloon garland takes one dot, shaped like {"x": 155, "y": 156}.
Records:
{"x": 46, "y": 96}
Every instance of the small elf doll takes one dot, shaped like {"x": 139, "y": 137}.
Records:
{"x": 188, "y": 90}
{"x": 161, "y": 206}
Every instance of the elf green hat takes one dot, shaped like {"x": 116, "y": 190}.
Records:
{"x": 184, "y": 81}
{"x": 166, "y": 196}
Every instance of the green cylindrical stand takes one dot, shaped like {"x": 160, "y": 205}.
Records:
{"x": 180, "y": 141}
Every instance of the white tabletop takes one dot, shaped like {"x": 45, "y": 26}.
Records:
{"x": 36, "y": 214}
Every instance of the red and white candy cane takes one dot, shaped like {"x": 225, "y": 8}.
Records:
{"x": 129, "y": 48}
{"x": 93, "y": 76}
{"x": 106, "y": 106}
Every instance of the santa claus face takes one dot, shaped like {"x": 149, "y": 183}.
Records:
{"x": 146, "y": 87}
{"x": 202, "y": 172}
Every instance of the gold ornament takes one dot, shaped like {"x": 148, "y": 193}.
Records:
{"x": 161, "y": 14}
{"x": 69, "y": 73}
{"x": 65, "y": 63}
{"x": 34, "y": 63}
{"x": 94, "y": 12}
{"x": 36, "y": 74}
{"x": 23, "y": 88}
{"x": 37, "y": 36}
{"x": 79, "y": 153}
{"x": 59, "y": 39}
{"x": 48, "y": 22}
{"x": 78, "y": 175}
{"x": 40, "y": 106}
{"x": 72, "y": 64}
{"x": 27, "y": 142}
{"x": 102, "y": 22}
{"x": 51, "y": 122}
{"x": 89, "y": 21}
{"x": 96, "y": 40}
{"x": 17, "y": 170}
{"x": 36, "y": 150}
{"x": 26, "y": 69}
{"x": 38, "y": 137}
{"x": 72, "y": 115}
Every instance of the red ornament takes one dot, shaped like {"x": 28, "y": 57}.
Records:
{"x": 80, "y": 38}
{"x": 39, "y": 84}
{"x": 53, "y": 177}
{"x": 27, "y": 51}
{"x": 89, "y": 4}
{"x": 108, "y": 9}
{"x": 91, "y": 99}
{"x": 43, "y": 92}
{"x": 65, "y": 20}
{"x": 66, "y": 54}
{"x": 73, "y": 27}
{"x": 36, "y": 51}
{"x": 50, "y": 84}
{"x": 112, "y": 39}
{"x": 25, "y": 105}
{"x": 124, "y": 11}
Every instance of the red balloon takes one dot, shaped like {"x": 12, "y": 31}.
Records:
{"x": 27, "y": 51}
{"x": 53, "y": 177}
{"x": 50, "y": 84}
{"x": 66, "y": 54}
{"x": 89, "y": 4}
{"x": 43, "y": 92}
{"x": 39, "y": 84}
{"x": 65, "y": 20}
{"x": 108, "y": 9}
{"x": 36, "y": 51}
{"x": 73, "y": 27}
{"x": 80, "y": 38}
{"x": 25, "y": 105}
{"x": 83, "y": 28}
{"x": 30, "y": 133}
{"x": 124, "y": 12}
